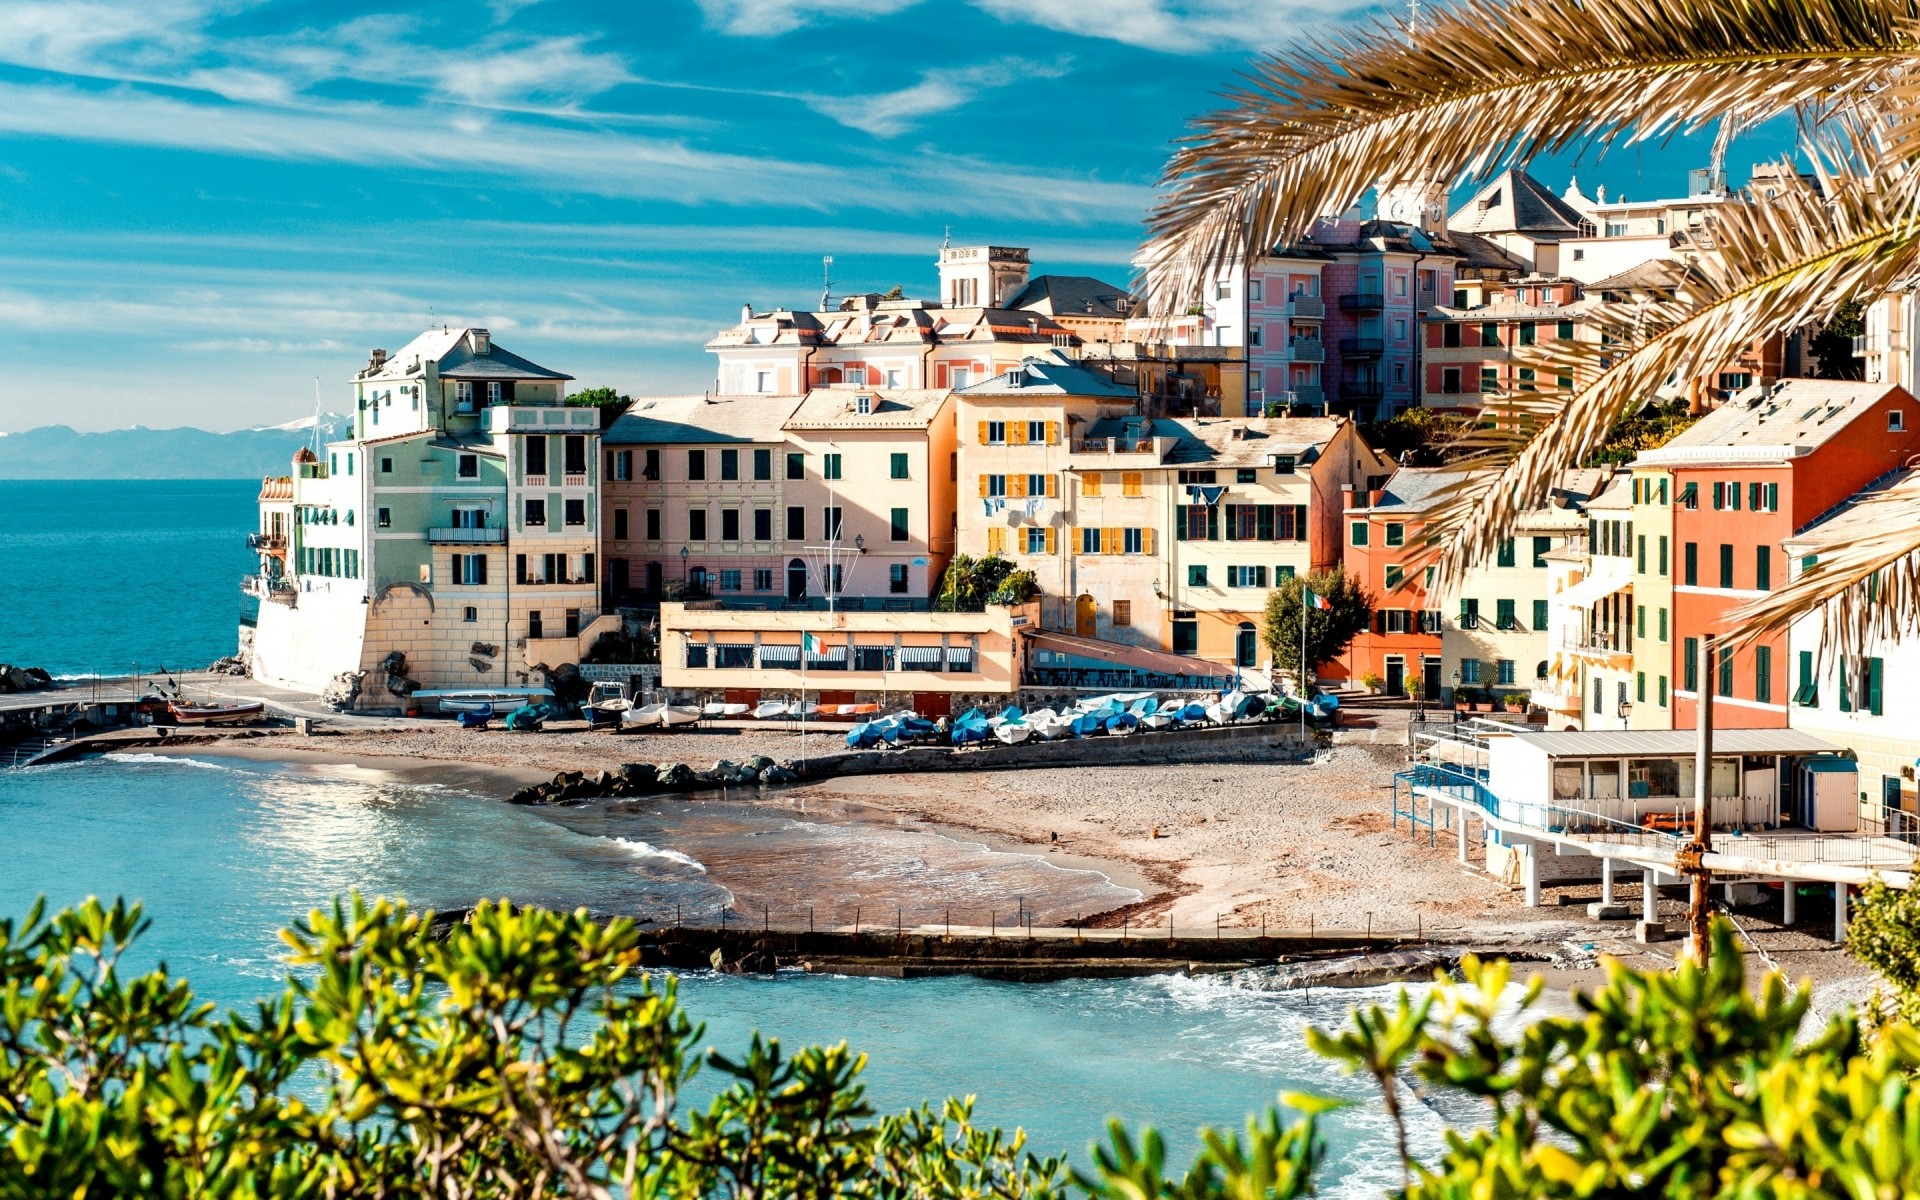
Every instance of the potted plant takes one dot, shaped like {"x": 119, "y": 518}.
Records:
{"x": 1373, "y": 683}
{"x": 1515, "y": 702}
{"x": 1483, "y": 701}
{"x": 1462, "y": 700}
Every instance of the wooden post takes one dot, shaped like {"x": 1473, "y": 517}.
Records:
{"x": 1699, "y": 877}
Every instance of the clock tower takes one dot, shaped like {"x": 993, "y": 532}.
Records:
{"x": 1419, "y": 203}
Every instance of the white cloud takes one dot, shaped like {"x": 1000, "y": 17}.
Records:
{"x": 1175, "y": 26}
{"x": 940, "y": 90}
{"x": 769, "y": 18}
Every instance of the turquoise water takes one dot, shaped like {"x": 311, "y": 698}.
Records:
{"x": 226, "y": 851}
{"x": 96, "y": 576}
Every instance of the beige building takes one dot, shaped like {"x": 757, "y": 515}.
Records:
{"x": 1650, "y": 490}
{"x": 925, "y": 661}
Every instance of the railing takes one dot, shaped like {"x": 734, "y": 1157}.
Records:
{"x": 1304, "y": 396}
{"x": 266, "y": 541}
{"x": 574, "y": 479}
{"x": 467, "y": 537}
{"x": 1362, "y": 389}
{"x": 535, "y": 481}
{"x": 1363, "y": 302}
{"x": 1310, "y": 307}
{"x": 277, "y": 588}
{"x": 1119, "y": 679}
{"x": 1363, "y": 346}
{"x": 1605, "y": 642}
{"x": 1306, "y": 350}
{"x": 1113, "y": 446}
{"x": 849, "y": 604}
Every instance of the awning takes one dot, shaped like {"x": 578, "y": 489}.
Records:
{"x": 779, "y": 656}
{"x": 1608, "y": 576}
{"x": 922, "y": 654}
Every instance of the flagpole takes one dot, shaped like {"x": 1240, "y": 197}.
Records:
{"x": 804, "y": 637}
{"x": 1301, "y": 680}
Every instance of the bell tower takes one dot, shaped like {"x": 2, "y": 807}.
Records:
{"x": 1421, "y": 203}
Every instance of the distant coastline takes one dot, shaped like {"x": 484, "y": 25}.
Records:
{"x": 57, "y": 452}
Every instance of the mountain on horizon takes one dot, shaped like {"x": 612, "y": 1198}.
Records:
{"x": 60, "y": 452}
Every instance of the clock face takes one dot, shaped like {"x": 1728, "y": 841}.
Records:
{"x": 1397, "y": 210}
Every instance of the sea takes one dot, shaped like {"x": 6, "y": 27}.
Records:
{"x": 224, "y": 851}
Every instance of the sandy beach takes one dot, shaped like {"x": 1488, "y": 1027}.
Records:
{"x": 1288, "y": 846}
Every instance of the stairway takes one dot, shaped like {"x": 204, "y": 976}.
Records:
{"x": 23, "y": 753}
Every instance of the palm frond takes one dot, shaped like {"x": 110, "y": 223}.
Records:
{"x": 1863, "y": 583}
{"x": 1783, "y": 261}
{"x": 1492, "y": 81}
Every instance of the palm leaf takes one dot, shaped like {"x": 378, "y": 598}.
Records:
{"x": 1490, "y": 81}
{"x": 1783, "y": 261}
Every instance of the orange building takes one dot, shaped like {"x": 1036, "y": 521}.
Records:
{"x": 1745, "y": 477}
{"x": 1384, "y": 538}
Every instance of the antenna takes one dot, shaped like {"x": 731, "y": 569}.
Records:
{"x": 316, "y": 416}
{"x": 1413, "y": 20}
{"x": 946, "y": 239}
{"x": 826, "y": 281}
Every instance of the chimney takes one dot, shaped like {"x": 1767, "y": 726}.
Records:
{"x": 378, "y": 360}
{"x": 746, "y": 313}
{"x": 482, "y": 342}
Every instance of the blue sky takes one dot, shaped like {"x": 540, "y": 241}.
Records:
{"x": 204, "y": 204}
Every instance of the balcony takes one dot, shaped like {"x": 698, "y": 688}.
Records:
{"x": 1363, "y": 391}
{"x": 271, "y": 543}
{"x": 1310, "y": 308}
{"x": 449, "y": 536}
{"x": 277, "y": 588}
{"x": 526, "y": 418}
{"x": 574, "y": 479}
{"x": 1306, "y": 350}
{"x": 1363, "y": 347}
{"x": 1113, "y": 446}
{"x": 534, "y": 481}
{"x": 1363, "y": 302}
{"x": 1302, "y": 397}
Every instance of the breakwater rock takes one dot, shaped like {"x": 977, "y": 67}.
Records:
{"x": 1350, "y": 971}
{"x": 23, "y": 679}
{"x": 631, "y": 780}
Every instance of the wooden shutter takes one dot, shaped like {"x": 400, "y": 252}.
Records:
{"x": 1053, "y": 486}
{"x": 983, "y": 437}
{"x": 1090, "y": 483}
{"x": 1074, "y": 533}
{"x": 983, "y": 485}
{"x": 1146, "y": 541}
{"x": 996, "y": 539}
{"x": 1050, "y": 540}
{"x": 1053, "y": 433}
{"x": 1016, "y": 433}
{"x": 1016, "y": 486}
{"x": 1110, "y": 541}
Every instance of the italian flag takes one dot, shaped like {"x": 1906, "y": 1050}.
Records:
{"x": 809, "y": 643}
{"x": 1313, "y": 599}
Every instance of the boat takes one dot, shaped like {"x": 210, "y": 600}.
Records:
{"x": 529, "y": 718}
{"x": 477, "y": 719}
{"x": 767, "y": 710}
{"x": 1121, "y": 724}
{"x": 1013, "y": 732}
{"x": 1047, "y": 723}
{"x": 721, "y": 708}
{"x": 186, "y": 712}
{"x": 649, "y": 716}
{"x": 456, "y": 700}
{"x": 679, "y": 714}
{"x": 607, "y": 704}
{"x": 969, "y": 727}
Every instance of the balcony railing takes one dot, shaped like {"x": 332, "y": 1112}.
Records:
{"x": 1309, "y": 307}
{"x": 1306, "y": 350}
{"x": 1363, "y": 347}
{"x": 1363, "y": 389}
{"x": 277, "y": 588}
{"x": 574, "y": 479}
{"x": 535, "y": 481}
{"x": 1363, "y": 302}
{"x": 1306, "y": 397}
{"x": 449, "y": 535}
{"x": 266, "y": 541}
{"x": 1113, "y": 446}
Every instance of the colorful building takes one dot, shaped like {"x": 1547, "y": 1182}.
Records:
{"x": 1745, "y": 478}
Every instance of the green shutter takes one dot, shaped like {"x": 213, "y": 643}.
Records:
{"x": 1690, "y": 664}
{"x": 1539, "y": 614}
{"x": 1807, "y": 694}
{"x": 1874, "y": 673}
{"x": 1763, "y": 674}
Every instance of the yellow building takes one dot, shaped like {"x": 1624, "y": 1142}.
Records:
{"x": 1652, "y": 522}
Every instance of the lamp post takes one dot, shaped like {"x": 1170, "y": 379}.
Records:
{"x": 683, "y": 569}
{"x": 1626, "y": 710}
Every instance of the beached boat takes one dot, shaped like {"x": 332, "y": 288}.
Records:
{"x": 767, "y": 710}
{"x": 607, "y": 704}
{"x": 1013, "y": 732}
{"x": 721, "y": 708}
{"x": 1047, "y": 723}
{"x": 186, "y": 712}
{"x": 653, "y": 716}
{"x": 457, "y": 700}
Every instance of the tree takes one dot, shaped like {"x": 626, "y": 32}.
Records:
{"x": 970, "y": 584}
{"x": 1489, "y": 83}
{"x": 1419, "y": 437}
{"x": 599, "y": 397}
{"x": 1883, "y": 931}
{"x": 1833, "y": 345}
{"x": 1349, "y": 614}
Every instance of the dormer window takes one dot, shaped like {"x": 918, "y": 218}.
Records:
{"x": 863, "y": 405}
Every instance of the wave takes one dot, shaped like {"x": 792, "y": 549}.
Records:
{"x": 172, "y": 760}
{"x": 640, "y": 849}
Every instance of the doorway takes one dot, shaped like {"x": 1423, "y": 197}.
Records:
{"x": 1396, "y": 675}
{"x": 796, "y": 580}
{"x": 1246, "y": 646}
{"x": 1084, "y": 622}
{"x": 656, "y": 580}
{"x": 1430, "y": 678}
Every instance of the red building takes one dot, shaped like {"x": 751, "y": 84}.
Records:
{"x": 1746, "y": 476}
{"x": 1385, "y": 551}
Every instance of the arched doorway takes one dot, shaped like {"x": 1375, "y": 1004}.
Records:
{"x": 1083, "y": 616}
{"x": 1246, "y": 646}
{"x": 796, "y": 580}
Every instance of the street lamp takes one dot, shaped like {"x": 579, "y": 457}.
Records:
{"x": 683, "y": 567}
{"x": 860, "y": 542}
{"x": 1626, "y": 710}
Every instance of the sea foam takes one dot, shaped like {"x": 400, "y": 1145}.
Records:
{"x": 640, "y": 849}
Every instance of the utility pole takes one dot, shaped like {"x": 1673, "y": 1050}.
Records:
{"x": 1690, "y": 856}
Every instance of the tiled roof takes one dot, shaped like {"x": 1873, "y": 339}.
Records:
{"x": 1416, "y": 490}
{"x": 1071, "y": 296}
{"x": 1793, "y": 416}
{"x": 452, "y": 351}
{"x": 1656, "y": 274}
{"x": 702, "y": 420}
{"x": 839, "y": 408}
{"x": 1516, "y": 202}
{"x": 1049, "y": 376}
{"x": 1250, "y": 442}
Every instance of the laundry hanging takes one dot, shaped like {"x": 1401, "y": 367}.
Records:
{"x": 1208, "y": 496}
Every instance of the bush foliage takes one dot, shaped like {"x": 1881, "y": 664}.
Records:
{"x": 522, "y": 1053}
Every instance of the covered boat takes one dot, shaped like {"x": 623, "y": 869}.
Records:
{"x": 455, "y": 700}
{"x": 768, "y": 710}
{"x": 186, "y": 712}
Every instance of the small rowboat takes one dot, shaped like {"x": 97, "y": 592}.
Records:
{"x": 767, "y": 710}
{"x": 186, "y": 712}
{"x": 719, "y": 708}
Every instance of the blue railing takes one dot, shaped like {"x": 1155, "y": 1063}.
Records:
{"x": 1469, "y": 783}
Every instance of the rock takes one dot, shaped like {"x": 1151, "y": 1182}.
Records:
{"x": 676, "y": 775}
{"x": 639, "y": 778}
{"x": 725, "y": 766}
{"x": 1609, "y": 912}
{"x": 569, "y": 687}
{"x": 759, "y": 762}
{"x": 232, "y": 664}
{"x": 23, "y": 679}
{"x": 534, "y": 794}
{"x": 1358, "y": 970}
{"x": 1648, "y": 932}
{"x": 776, "y": 775}
{"x": 342, "y": 690}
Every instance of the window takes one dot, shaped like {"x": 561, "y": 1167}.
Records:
{"x": 1527, "y": 333}
{"x": 1196, "y": 574}
{"x": 1246, "y": 475}
{"x": 696, "y": 524}
{"x": 729, "y": 579}
{"x": 536, "y": 513}
{"x": 763, "y": 465}
{"x": 1539, "y": 615}
{"x": 470, "y": 614}
{"x": 384, "y": 518}
{"x": 993, "y": 485}
{"x": 1246, "y": 577}
{"x": 1037, "y": 485}
{"x": 576, "y": 512}
{"x": 619, "y": 524}
{"x": 470, "y": 569}
{"x": 1489, "y": 379}
{"x": 832, "y": 528}
{"x": 1690, "y": 664}
{"x": 763, "y": 579}
{"x": 1396, "y": 534}
{"x": 1123, "y": 612}
{"x": 1036, "y": 538}
{"x": 1690, "y": 496}
{"x": 1690, "y": 569}
{"x": 995, "y": 433}
{"x": 1503, "y": 671}
{"x": 1470, "y": 671}
{"x": 1726, "y": 564}
{"x": 1541, "y": 545}
{"x": 386, "y": 466}
{"x": 1357, "y": 533}
{"x": 729, "y": 465}
{"x": 1133, "y": 541}
{"x": 1131, "y": 483}
{"x": 730, "y": 525}
{"x": 1090, "y": 483}
{"x": 1489, "y": 333}
{"x": 1663, "y": 554}
{"x": 1726, "y": 671}
{"x": 1469, "y": 613}
{"x": 696, "y": 464}
{"x": 1504, "y": 556}
{"x": 899, "y": 526}
{"x": 897, "y": 578}
{"x": 1395, "y": 575}
{"x": 796, "y": 466}
{"x": 830, "y": 466}
{"x": 1503, "y": 616}
{"x": 1640, "y": 554}
{"x": 469, "y": 466}
{"x": 1763, "y": 568}
{"x": 762, "y": 524}
{"x": 1763, "y": 674}
{"x": 1896, "y": 420}
{"x": 1807, "y": 692}
{"x": 1037, "y": 433}
{"x": 763, "y": 381}
{"x": 463, "y": 395}
{"x": 1564, "y": 330}
{"x": 796, "y": 523}
{"x": 898, "y": 467}
{"x": 1663, "y": 625}
{"x": 1773, "y": 497}
{"x": 653, "y": 524}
